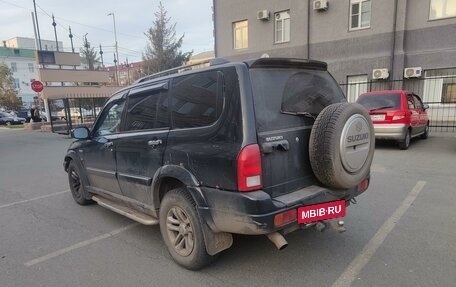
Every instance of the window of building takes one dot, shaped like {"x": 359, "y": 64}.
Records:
{"x": 356, "y": 85}
{"x": 16, "y": 83}
{"x": 241, "y": 34}
{"x": 147, "y": 110}
{"x": 31, "y": 68}
{"x": 360, "y": 14}
{"x": 442, "y": 9}
{"x": 440, "y": 86}
{"x": 282, "y": 27}
{"x": 13, "y": 67}
{"x": 197, "y": 100}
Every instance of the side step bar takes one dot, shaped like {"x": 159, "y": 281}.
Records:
{"x": 125, "y": 211}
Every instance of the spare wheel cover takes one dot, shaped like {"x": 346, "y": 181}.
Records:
{"x": 355, "y": 143}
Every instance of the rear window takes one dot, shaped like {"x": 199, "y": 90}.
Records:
{"x": 286, "y": 98}
{"x": 380, "y": 101}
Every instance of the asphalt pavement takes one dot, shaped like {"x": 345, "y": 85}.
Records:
{"x": 402, "y": 232}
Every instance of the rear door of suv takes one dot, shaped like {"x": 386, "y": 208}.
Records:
{"x": 139, "y": 149}
{"x": 287, "y": 99}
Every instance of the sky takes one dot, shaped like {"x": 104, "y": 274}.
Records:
{"x": 193, "y": 19}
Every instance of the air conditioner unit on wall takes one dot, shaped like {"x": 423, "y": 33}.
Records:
{"x": 263, "y": 15}
{"x": 320, "y": 5}
{"x": 413, "y": 72}
{"x": 379, "y": 74}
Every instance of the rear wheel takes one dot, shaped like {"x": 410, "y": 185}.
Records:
{"x": 406, "y": 142}
{"x": 77, "y": 185}
{"x": 181, "y": 230}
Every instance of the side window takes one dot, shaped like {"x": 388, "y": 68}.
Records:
{"x": 147, "y": 110}
{"x": 410, "y": 103}
{"x": 197, "y": 99}
{"x": 418, "y": 103}
{"x": 109, "y": 122}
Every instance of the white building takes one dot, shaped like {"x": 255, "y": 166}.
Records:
{"x": 29, "y": 43}
{"x": 19, "y": 55}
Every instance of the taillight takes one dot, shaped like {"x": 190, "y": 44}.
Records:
{"x": 249, "y": 168}
{"x": 399, "y": 116}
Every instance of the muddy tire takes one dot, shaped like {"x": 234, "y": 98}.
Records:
{"x": 181, "y": 230}
{"x": 77, "y": 185}
{"x": 341, "y": 146}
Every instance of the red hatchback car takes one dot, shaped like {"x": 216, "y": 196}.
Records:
{"x": 397, "y": 115}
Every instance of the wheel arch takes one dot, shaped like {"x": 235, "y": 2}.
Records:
{"x": 170, "y": 177}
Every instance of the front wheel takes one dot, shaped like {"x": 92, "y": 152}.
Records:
{"x": 181, "y": 230}
{"x": 77, "y": 185}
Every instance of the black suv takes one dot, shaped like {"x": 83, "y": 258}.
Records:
{"x": 265, "y": 146}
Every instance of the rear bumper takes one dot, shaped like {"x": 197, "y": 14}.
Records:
{"x": 390, "y": 131}
{"x": 253, "y": 212}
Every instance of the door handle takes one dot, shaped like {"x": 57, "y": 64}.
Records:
{"x": 154, "y": 143}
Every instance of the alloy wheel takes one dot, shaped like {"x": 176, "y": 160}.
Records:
{"x": 180, "y": 231}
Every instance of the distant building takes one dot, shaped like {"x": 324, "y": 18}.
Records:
{"x": 18, "y": 54}
{"x": 22, "y": 64}
{"x": 201, "y": 58}
{"x": 127, "y": 73}
{"x": 29, "y": 43}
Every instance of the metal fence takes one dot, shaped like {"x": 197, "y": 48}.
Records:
{"x": 67, "y": 114}
{"x": 439, "y": 92}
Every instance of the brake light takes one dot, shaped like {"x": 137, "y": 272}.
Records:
{"x": 399, "y": 116}
{"x": 249, "y": 168}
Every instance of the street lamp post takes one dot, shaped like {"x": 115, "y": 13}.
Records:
{"x": 117, "y": 48}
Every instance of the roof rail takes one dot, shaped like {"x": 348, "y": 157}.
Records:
{"x": 180, "y": 69}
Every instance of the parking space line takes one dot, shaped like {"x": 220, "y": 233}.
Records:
{"x": 32, "y": 199}
{"x": 361, "y": 260}
{"x": 78, "y": 245}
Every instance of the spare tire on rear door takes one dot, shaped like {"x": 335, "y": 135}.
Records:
{"x": 341, "y": 146}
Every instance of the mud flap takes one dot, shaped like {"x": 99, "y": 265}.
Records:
{"x": 215, "y": 242}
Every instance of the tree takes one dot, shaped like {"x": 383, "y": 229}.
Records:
{"x": 163, "y": 50}
{"x": 8, "y": 94}
{"x": 89, "y": 56}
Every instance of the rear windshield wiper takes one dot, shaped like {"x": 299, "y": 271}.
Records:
{"x": 381, "y": 108}
{"x": 306, "y": 114}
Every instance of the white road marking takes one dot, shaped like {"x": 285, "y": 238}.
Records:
{"x": 361, "y": 260}
{"x": 32, "y": 199}
{"x": 78, "y": 245}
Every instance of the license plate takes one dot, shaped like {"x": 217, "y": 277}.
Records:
{"x": 377, "y": 117}
{"x": 322, "y": 211}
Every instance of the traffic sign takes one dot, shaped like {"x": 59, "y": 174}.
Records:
{"x": 37, "y": 86}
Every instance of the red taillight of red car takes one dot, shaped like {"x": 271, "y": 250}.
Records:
{"x": 399, "y": 116}
{"x": 249, "y": 170}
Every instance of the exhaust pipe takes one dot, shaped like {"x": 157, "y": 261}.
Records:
{"x": 279, "y": 241}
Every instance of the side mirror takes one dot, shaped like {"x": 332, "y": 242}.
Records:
{"x": 425, "y": 106}
{"x": 81, "y": 133}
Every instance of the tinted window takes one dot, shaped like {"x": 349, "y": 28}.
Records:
{"x": 380, "y": 101}
{"x": 147, "y": 110}
{"x": 197, "y": 99}
{"x": 282, "y": 94}
{"x": 110, "y": 120}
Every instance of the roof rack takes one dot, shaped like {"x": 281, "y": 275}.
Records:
{"x": 180, "y": 69}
